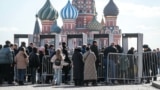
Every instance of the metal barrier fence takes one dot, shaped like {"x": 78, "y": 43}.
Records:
{"x": 100, "y": 71}
{"x": 118, "y": 67}
{"x": 121, "y": 68}
{"x": 151, "y": 66}
{"x": 47, "y": 69}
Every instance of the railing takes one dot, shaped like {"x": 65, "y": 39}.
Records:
{"x": 116, "y": 68}
{"x": 151, "y": 66}
{"x": 121, "y": 68}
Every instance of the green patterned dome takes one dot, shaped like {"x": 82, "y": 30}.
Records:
{"x": 94, "y": 25}
{"x": 47, "y": 12}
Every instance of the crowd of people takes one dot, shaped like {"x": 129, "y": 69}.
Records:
{"x": 85, "y": 61}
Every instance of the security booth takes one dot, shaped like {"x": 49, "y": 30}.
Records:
{"x": 139, "y": 60}
{"x": 55, "y": 37}
{"x": 107, "y": 39}
{"x": 17, "y": 37}
{"x": 74, "y": 40}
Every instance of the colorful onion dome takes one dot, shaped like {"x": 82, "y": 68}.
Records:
{"x": 47, "y": 12}
{"x": 69, "y": 11}
{"x": 55, "y": 28}
{"x": 94, "y": 25}
{"x": 111, "y": 9}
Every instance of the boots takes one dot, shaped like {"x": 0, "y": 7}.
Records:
{"x": 21, "y": 83}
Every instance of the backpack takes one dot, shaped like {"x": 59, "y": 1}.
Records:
{"x": 57, "y": 62}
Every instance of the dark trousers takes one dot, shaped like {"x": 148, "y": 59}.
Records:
{"x": 11, "y": 74}
{"x": 33, "y": 75}
{"x": 78, "y": 82}
{"x": 5, "y": 73}
{"x": 66, "y": 78}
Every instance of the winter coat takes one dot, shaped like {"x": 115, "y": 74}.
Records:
{"x": 41, "y": 56}
{"x": 6, "y": 55}
{"x": 34, "y": 61}
{"x": 21, "y": 61}
{"x": 94, "y": 49}
{"x": 108, "y": 50}
{"x": 78, "y": 65}
{"x": 90, "y": 72}
{"x": 55, "y": 66}
{"x": 67, "y": 60}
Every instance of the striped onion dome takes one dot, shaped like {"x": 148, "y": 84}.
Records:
{"x": 55, "y": 28}
{"x": 47, "y": 12}
{"x": 69, "y": 11}
{"x": 94, "y": 25}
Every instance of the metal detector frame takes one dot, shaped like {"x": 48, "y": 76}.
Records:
{"x": 56, "y": 37}
{"x": 109, "y": 36}
{"x": 139, "y": 37}
{"x": 83, "y": 36}
{"x": 18, "y": 36}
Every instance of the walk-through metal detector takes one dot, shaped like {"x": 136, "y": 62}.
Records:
{"x": 109, "y": 36}
{"x": 18, "y": 36}
{"x": 70, "y": 38}
{"x": 139, "y": 37}
{"x": 56, "y": 37}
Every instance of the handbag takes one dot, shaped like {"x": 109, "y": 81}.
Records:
{"x": 57, "y": 62}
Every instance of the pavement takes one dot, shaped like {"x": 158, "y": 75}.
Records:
{"x": 156, "y": 84}
{"x": 71, "y": 87}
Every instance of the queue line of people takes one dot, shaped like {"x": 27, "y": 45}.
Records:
{"x": 85, "y": 63}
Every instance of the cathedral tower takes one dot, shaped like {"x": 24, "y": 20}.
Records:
{"x": 111, "y": 12}
{"x": 86, "y": 10}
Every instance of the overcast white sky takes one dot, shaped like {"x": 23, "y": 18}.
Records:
{"x": 136, "y": 16}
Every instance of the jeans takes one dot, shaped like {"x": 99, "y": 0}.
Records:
{"x": 15, "y": 73}
{"x": 33, "y": 75}
{"x": 57, "y": 76}
{"x": 110, "y": 69}
{"x": 21, "y": 74}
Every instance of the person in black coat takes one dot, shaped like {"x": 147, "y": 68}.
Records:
{"x": 146, "y": 62}
{"x": 41, "y": 56}
{"x": 66, "y": 69}
{"x": 30, "y": 47}
{"x": 111, "y": 63}
{"x": 94, "y": 48}
{"x": 78, "y": 67}
{"x": 154, "y": 65}
{"x": 132, "y": 63}
{"x": 34, "y": 64}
